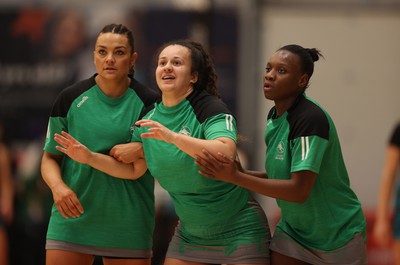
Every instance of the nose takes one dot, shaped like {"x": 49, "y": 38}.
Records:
{"x": 167, "y": 67}
{"x": 110, "y": 58}
{"x": 269, "y": 75}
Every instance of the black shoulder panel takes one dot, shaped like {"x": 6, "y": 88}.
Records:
{"x": 206, "y": 105}
{"x": 271, "y": 113}
{"x": 307, "y": 119}
{"x": 68, "y": 95}
{"x": 395, "y": 138}
{"x": 146, "y": 94}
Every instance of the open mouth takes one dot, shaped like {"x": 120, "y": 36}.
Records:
{"x": 168, "y": 77}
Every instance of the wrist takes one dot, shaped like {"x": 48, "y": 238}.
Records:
{"x": 90, "y": 158}
{"x": 55, "y": 184}
{"x": 173, "y": 138}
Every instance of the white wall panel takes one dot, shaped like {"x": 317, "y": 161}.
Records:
{"x": 358, "y": 82}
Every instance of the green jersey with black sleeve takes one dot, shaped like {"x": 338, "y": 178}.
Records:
{"x": 208, "y": 209}
{"x": 305, "y": 138}
{"x": 118, "y": 213}
{"x": 395, "y": 141}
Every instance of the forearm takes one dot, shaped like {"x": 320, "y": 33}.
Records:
{"x": 194, "y": 146}
{"x": 258, "y": 174}
{"x": 7, "y": 188}
{"x": 283, "y": 189}
{"x": 6, "y": 184}
{"x": 112, "y": 167}
{"x": 50, "y": 169}
{"x": 387, "y": 183}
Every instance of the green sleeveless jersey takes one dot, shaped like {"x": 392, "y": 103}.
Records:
{"x": 118, "y": 213}
{"x": 305, "y": 138}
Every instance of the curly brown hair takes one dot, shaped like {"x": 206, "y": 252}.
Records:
{"x": 201, "y": 63}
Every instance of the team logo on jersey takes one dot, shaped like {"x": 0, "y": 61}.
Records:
{"x": 82, "y": 101}
{"x": 280, "y": 151}
{"x": 185, "y": 130}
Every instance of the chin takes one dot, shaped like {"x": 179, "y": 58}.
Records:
{"x": 268, "y": 96}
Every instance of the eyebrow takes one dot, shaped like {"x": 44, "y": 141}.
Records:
{"x": 174, "y": 57}
{"x": 118, "y": 47}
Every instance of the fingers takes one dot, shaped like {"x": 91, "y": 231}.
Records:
{"x": 61, "y": 140}
{"x": 201, "y": 162}
{"x": 145, "y": 123}
{"x": 68, "y": 136}
{"x": 221, "y": 157}
{"x": 70, "y": 207}
{"x": 61, "y": 149}
{"x": 204, "y": 173}
{"x": 208, "y": 166}
{"x": 65, "y": 139}
{"x": 113, "y": 151}
{"x": 66, "y": 201}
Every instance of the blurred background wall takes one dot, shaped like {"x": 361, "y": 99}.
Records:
{"x": 46, "y": 45}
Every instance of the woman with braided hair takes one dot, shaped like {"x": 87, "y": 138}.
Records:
{"x": 95, "y": 214}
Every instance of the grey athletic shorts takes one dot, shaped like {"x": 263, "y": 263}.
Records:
{"x": 232, "y": 252}
{"x": 98, "y": 251}
{"x": 353, "y": 253}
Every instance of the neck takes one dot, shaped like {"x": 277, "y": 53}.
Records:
{"x": 172, "y": 99}
{"x": 113, "y": 88}
{"x": 282, "y": 106}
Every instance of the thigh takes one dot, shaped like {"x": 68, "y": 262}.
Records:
{"x": 171, "y": 261}
{"x": 118, "y": 261}
{"x": 3, "y": 246}
{"x": 280, "y": 259}
{"x": 245, "y": 264}
{"x": 62, "y": 257}
{"x": 396, "y": 249}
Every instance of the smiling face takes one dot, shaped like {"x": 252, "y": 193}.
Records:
{"x": 174, "y": 70}
{"x": 113, "y": 56}
{"x": 283, "y": 78}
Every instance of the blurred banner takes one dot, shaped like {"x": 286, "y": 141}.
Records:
{"x": 44, "y": 50}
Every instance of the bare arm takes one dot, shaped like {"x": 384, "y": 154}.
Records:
{"x": 65, "y": 199}
{"x": 127, "y": 153}
{"x": 190, "y": 145}
{"x": 6, "y": 185}
{"x": 382, "y": 228}
{"x": 258, "y": 174}
{"x": 296, "y": 189}
{"x": 105, "y": 163}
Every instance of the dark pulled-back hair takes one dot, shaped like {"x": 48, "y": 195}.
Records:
{"x": 201, "y": 63}
{"x": 307, "y": 57}
{"x": 120, "y": 29}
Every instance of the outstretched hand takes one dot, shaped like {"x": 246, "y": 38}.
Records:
{"x": 220, "y": 168}
{"x": 156, "y": 131}
{"x": 72, "y": 147}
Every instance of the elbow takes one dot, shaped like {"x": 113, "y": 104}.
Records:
{"x": 129, "y": 176}
{"x": 301, "y": 200}
{"x": 301, "y": 197}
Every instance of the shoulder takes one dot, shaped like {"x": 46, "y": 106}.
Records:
{"x": 73, "y": 91}
{"x": 395, "y": 138}
{"x": 307, "y": 118}
{"x": 69, "y": 94}
{"x": 206, "y": 105}
{"x": 146, "y": 94}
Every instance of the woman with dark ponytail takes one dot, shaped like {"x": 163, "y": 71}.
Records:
{"x": 322, "y": 221}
